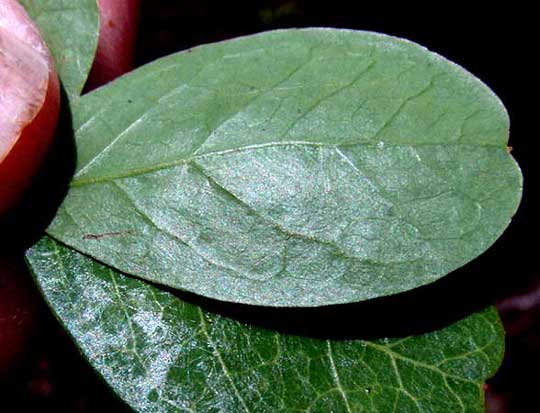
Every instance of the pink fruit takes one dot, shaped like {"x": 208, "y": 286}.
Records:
{"x": 29, "y": 101}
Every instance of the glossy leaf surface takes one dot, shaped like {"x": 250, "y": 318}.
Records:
{"x": 291, "y": 168}
{"x": 162, "y": 354}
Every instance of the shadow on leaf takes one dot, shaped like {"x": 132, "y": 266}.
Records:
{"x": 425, "y": 309}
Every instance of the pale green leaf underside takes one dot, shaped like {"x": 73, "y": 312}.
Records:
{"x": 161, "y": 354}
{"x": 71, "y": 30}
{"x": 291, "y": 168}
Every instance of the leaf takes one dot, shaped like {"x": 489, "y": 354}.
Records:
{"x": 71, "y": 30}
{"x": 291, "y": 168}
{"x": 161, "y": 354}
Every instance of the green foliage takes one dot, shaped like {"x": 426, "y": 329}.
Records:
{"x": 291, "y": 168}
{"x": 162, "y": 354}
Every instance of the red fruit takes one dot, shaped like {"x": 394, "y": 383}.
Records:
{"x": 117, "y": 35}
{"x": 29, "y": 101}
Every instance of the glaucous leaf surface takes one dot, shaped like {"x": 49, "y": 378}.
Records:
{"x": 161, "y": 354}
{"x": 291, "y": 168}
{"x": 71, "y": 30}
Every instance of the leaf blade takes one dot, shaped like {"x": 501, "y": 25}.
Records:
{"x": 161, "y": 354}
{"x": 273, "y": 183}
{"x": 74, "y": 52}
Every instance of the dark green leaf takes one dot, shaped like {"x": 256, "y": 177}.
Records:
{"x": 71, "y": 30}
{"x": 291, "y": 168}
{"x": 161, "y": 354}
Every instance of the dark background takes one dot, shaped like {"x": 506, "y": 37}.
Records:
{"x": 493, "y": 42}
